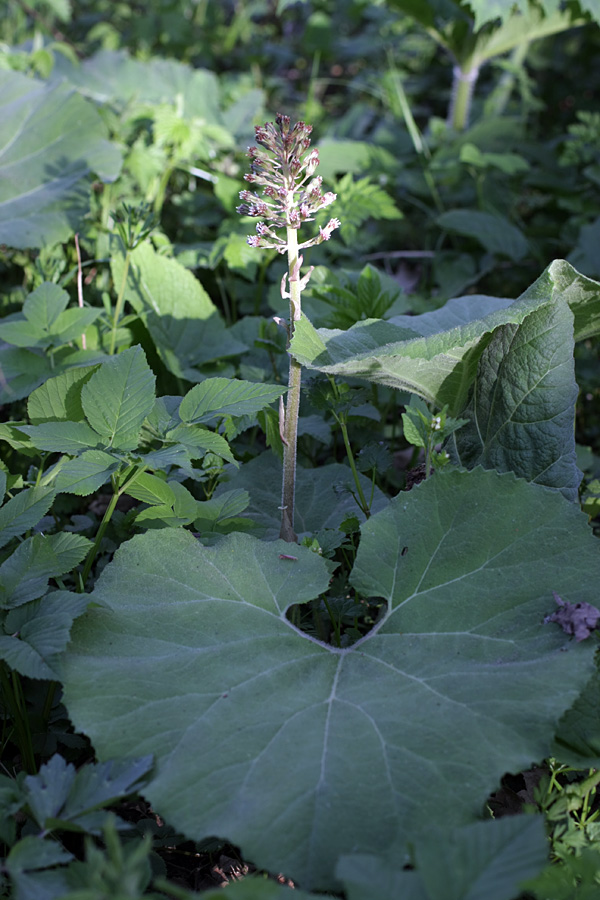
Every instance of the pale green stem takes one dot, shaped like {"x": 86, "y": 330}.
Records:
{"x": 120, "y": 302}
{"x": 464, "y": 78}
{"x": 117, "y": 492}
{"x": 292, "y": 409}
{"x": 362, "y": 502}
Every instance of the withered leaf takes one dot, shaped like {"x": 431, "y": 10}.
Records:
{"x": 579, "y": 619}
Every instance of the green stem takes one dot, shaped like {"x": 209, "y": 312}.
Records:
{"x": 162, "y": 189}
{"x": 292, "y": 410}
{"x": 120, "y": 302}
{"x": 464, "y": 78}
{"x": 93, "y": 552}
{"x": 362, "y": 500}
{"x": 117, "y": 492}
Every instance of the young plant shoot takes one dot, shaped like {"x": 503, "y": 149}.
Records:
{"x": 284, "y": 170}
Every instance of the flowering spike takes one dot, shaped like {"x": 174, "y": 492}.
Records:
{"x": 284, "y": 168}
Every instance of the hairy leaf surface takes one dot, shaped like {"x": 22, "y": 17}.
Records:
{"x": 299, "y": 751}
{"x": 523, "y": 404}
{"x": 51, "y": 139}
{"x": 438, "y": 361}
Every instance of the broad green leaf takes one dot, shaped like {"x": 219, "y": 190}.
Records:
{"x": 19, "y": 332}
{"x": 489, "y": 10}
{"x": 191, "y": 657}
{"x": 22, "y": 512}
{"x": 226, "y": 397}
{"x": 577, "y": 740}
{"x": 440, "y": 365}
{"x": 495, "y": 233}
{"x": 484, "y": 861}
{"x": 3, "y": 480}
{"x": 118, "y": 397}
{"x": 111, "y": 76}
{"x": 369, "y": 877}
{"x": 86, "y": 473}
{"x": 59, "y": 399}
{"x": 38, "y": 632}
{"x": 44, "y": 306}
{"x": 32, "y": 853}
{"x": 150, "y": 489}
{"x": 64, "y": 437}
{"x": 215, "y": 512}
{"x": 22, "y": 371}
{"x": 59, "y": 793}
{"x": 160, "y": 516}
{"x": 323, "y": 495}
{"x": 523, "y": 404}
{"x": 51, "y": 140}
{"x": 180, "y": 316}
{"x": 198, "y": 438}
{"x": 24, "y": 575}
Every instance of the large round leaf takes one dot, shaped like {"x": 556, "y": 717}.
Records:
{"x": 298, "y": 751}
{"x": 51, "y": 139}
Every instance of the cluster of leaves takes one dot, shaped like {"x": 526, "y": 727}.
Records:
{"x": 325, "y": 700}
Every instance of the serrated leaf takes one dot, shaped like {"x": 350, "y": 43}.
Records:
{"x": 32, "y": 853}
{"x": 44, "y": 306}
{"x": 24, "y": 575}
{"x": 523, "y": 404}
{"x": 151, "y": 489}
{"x": 64, "y": 437}
{"x": 118, "y": 397}
{"x": 59, "y": 399}
{"x": 241, "y": 698}
{"x": 180, "y": 316}
{"x": 51, "y": 139}
{"x": 358, "y": 201}
{"x": 48, "y": 790}
{"x": 211, "y": 512}
{"x": 22, "y": 512}
{"x": 36, "y": 633}
{"x": 198, "y": 438}
{"x": 226, "y": 397}
{"x": 86, "y": 473}
{"x": 59, "y": 794}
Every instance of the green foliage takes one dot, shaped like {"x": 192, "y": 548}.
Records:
{"x": 51, "y": 139}
{"x": 427, "y": 627}
{"x": 318, "y": 703}
{"x": 358, "y": 201}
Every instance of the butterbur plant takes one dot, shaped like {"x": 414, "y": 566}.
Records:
{"x": 284, "y": 169}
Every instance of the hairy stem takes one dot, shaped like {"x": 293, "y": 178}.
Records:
{"x": 292, "y": 409}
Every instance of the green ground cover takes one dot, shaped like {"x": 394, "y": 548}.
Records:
{"x": 300, "y": 466}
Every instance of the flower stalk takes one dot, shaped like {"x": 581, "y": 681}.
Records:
{"x": 283, "y": 168}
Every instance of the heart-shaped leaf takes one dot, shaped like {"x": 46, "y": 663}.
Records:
{"x": 299, "y": 751}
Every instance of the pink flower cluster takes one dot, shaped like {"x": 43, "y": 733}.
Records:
{"x": 291, "y": 195}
